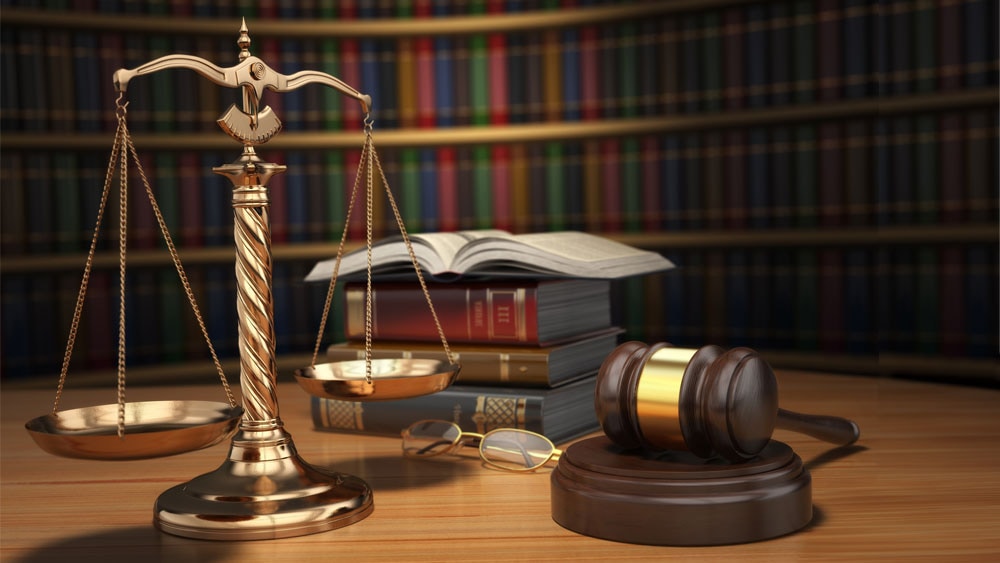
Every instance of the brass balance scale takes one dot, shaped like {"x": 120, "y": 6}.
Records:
{"x": 264, "y": 489}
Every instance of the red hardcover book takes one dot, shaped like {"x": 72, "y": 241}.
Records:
{"x": 529, "y": 312}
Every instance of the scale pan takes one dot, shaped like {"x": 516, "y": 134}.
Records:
{"x": 391, "y": 379}
{"x": 152, "y": 429}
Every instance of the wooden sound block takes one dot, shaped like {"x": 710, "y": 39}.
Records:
{"x": 602, "y": 490}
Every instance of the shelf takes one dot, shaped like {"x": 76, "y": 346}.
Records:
{"x": 521, "y": 22}
{"x": 784, "y": 238}
{"x": 528, "y": 133}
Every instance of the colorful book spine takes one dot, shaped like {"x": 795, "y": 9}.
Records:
{"x": 474, "y": 409}
{"x": 496, "y": 312}
{"x": 496, "y": 364}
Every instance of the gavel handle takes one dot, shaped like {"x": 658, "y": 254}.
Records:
{"x": 833, "y": 429}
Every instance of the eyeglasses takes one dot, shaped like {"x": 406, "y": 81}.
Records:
{"x": 511, "y": 449}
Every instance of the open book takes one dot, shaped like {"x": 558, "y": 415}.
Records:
{"x": 482, "y": 253}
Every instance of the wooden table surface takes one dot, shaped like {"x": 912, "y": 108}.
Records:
{"x": 922, "y": 483}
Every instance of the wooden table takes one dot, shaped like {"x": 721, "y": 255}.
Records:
{"x": 923, "y": 482}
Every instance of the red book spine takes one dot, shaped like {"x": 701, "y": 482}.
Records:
{"x": 590, "y": 103}
{"x": 651, "y": 182}
{"x": 467, "y": 313}
{"x": 448, "y": 188}
{"x": 496, "y": 56}
{"x": 189, "y": 172}
{"x": 424, "y": 47}
{"x": 611, "y": 173}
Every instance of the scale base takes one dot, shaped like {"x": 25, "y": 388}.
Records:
{"x": 602, "y": 490}
{"x": 263, "y": 491}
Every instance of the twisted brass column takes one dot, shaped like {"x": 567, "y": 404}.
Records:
{"x": 264, "y": 489}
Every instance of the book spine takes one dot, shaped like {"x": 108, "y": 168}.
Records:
{"x": 424, "y": 80}
{"x": 632, "y": 189}
{"x": 474, "y": 411}
{"x": 479, "y": 367}
{"x": 555, "y": 187}
{"x": 68, "y": 220}
{"x": 466, "y": 314}
{"x": 499, "y": 116}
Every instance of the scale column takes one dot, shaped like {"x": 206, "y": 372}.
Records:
{"x": 264, "y": 489}
{"x": 254, "y": 300}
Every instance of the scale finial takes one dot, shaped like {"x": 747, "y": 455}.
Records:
{"x": 244, "y": 41}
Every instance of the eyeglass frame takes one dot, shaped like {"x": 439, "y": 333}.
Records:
{"x": 462, "y": 440}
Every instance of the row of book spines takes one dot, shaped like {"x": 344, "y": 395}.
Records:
{"x": 161, "y": 326}
{"x": 911, "y": 170}
{"x": 923, "y": 300}
{"x": 934, "y": 300}
{"x": 723, "y": 59}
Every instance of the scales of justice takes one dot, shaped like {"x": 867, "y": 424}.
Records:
{"x": 264, "y": 489}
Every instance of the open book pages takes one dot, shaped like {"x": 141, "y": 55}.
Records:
{"x": 485, "y": 253}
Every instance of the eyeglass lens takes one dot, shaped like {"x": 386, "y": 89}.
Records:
{"x": 514, "y": 449}
{"x": 430, "y": 437}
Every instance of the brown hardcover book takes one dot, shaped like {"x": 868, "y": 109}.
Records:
{"x": 522, "y": 366}
{"x": 525, "y": 312}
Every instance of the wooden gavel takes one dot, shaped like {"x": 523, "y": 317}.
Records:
{"x": 708, "y": 401}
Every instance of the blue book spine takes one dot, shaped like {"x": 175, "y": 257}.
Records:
{"x": 737, "y": 297}
{"x": 779, "y": 47}
{"x": 297, "y": 194}
{"x": 859, "y": 302}
{"x": 779, "y": 155}
{"x": 783, "y": 287}
{"x": 760, "y": 182}
{"x": 979, "y": 38}
{"x": 692, "y": 182}
{"x": 16, "y": 357}
{"x": 217, "y": 216}
{"x": 574, "y": 205}
{"x": 981, "y": 304}
{"x": 675, "y": 296}
{"x": 756, "y": 56}
{"x": 672, "y": 186}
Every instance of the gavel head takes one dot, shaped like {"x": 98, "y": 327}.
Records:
{"x": 707, "y": 401}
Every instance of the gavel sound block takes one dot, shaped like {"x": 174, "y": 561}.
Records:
{"x": 687, "y": 456}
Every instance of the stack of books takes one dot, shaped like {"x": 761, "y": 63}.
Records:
{"x": 528, "y": 318}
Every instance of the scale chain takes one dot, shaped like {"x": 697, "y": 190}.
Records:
{"x": 123, "y": 147}
{"x": 175, "y": 258}
{"x": 369, "y": 162}
{"x": 88, "y": 266}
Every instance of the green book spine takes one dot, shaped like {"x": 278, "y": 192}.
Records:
{"x": 807, "y": 300}
{"x": 173, "y": 306}
{"x": 555, "y": 187}
{"x": 804, "y": 52}
{"x": 806, "y": 196}
{"x": 167, "y": 189}
{"x": 632, "y": 189}
{"x": 711, "y": 59}
{"x": 69, "y": 215}
{"x": 409, "y": 189}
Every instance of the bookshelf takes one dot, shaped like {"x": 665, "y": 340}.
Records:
{"x": 824, "y": 172}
